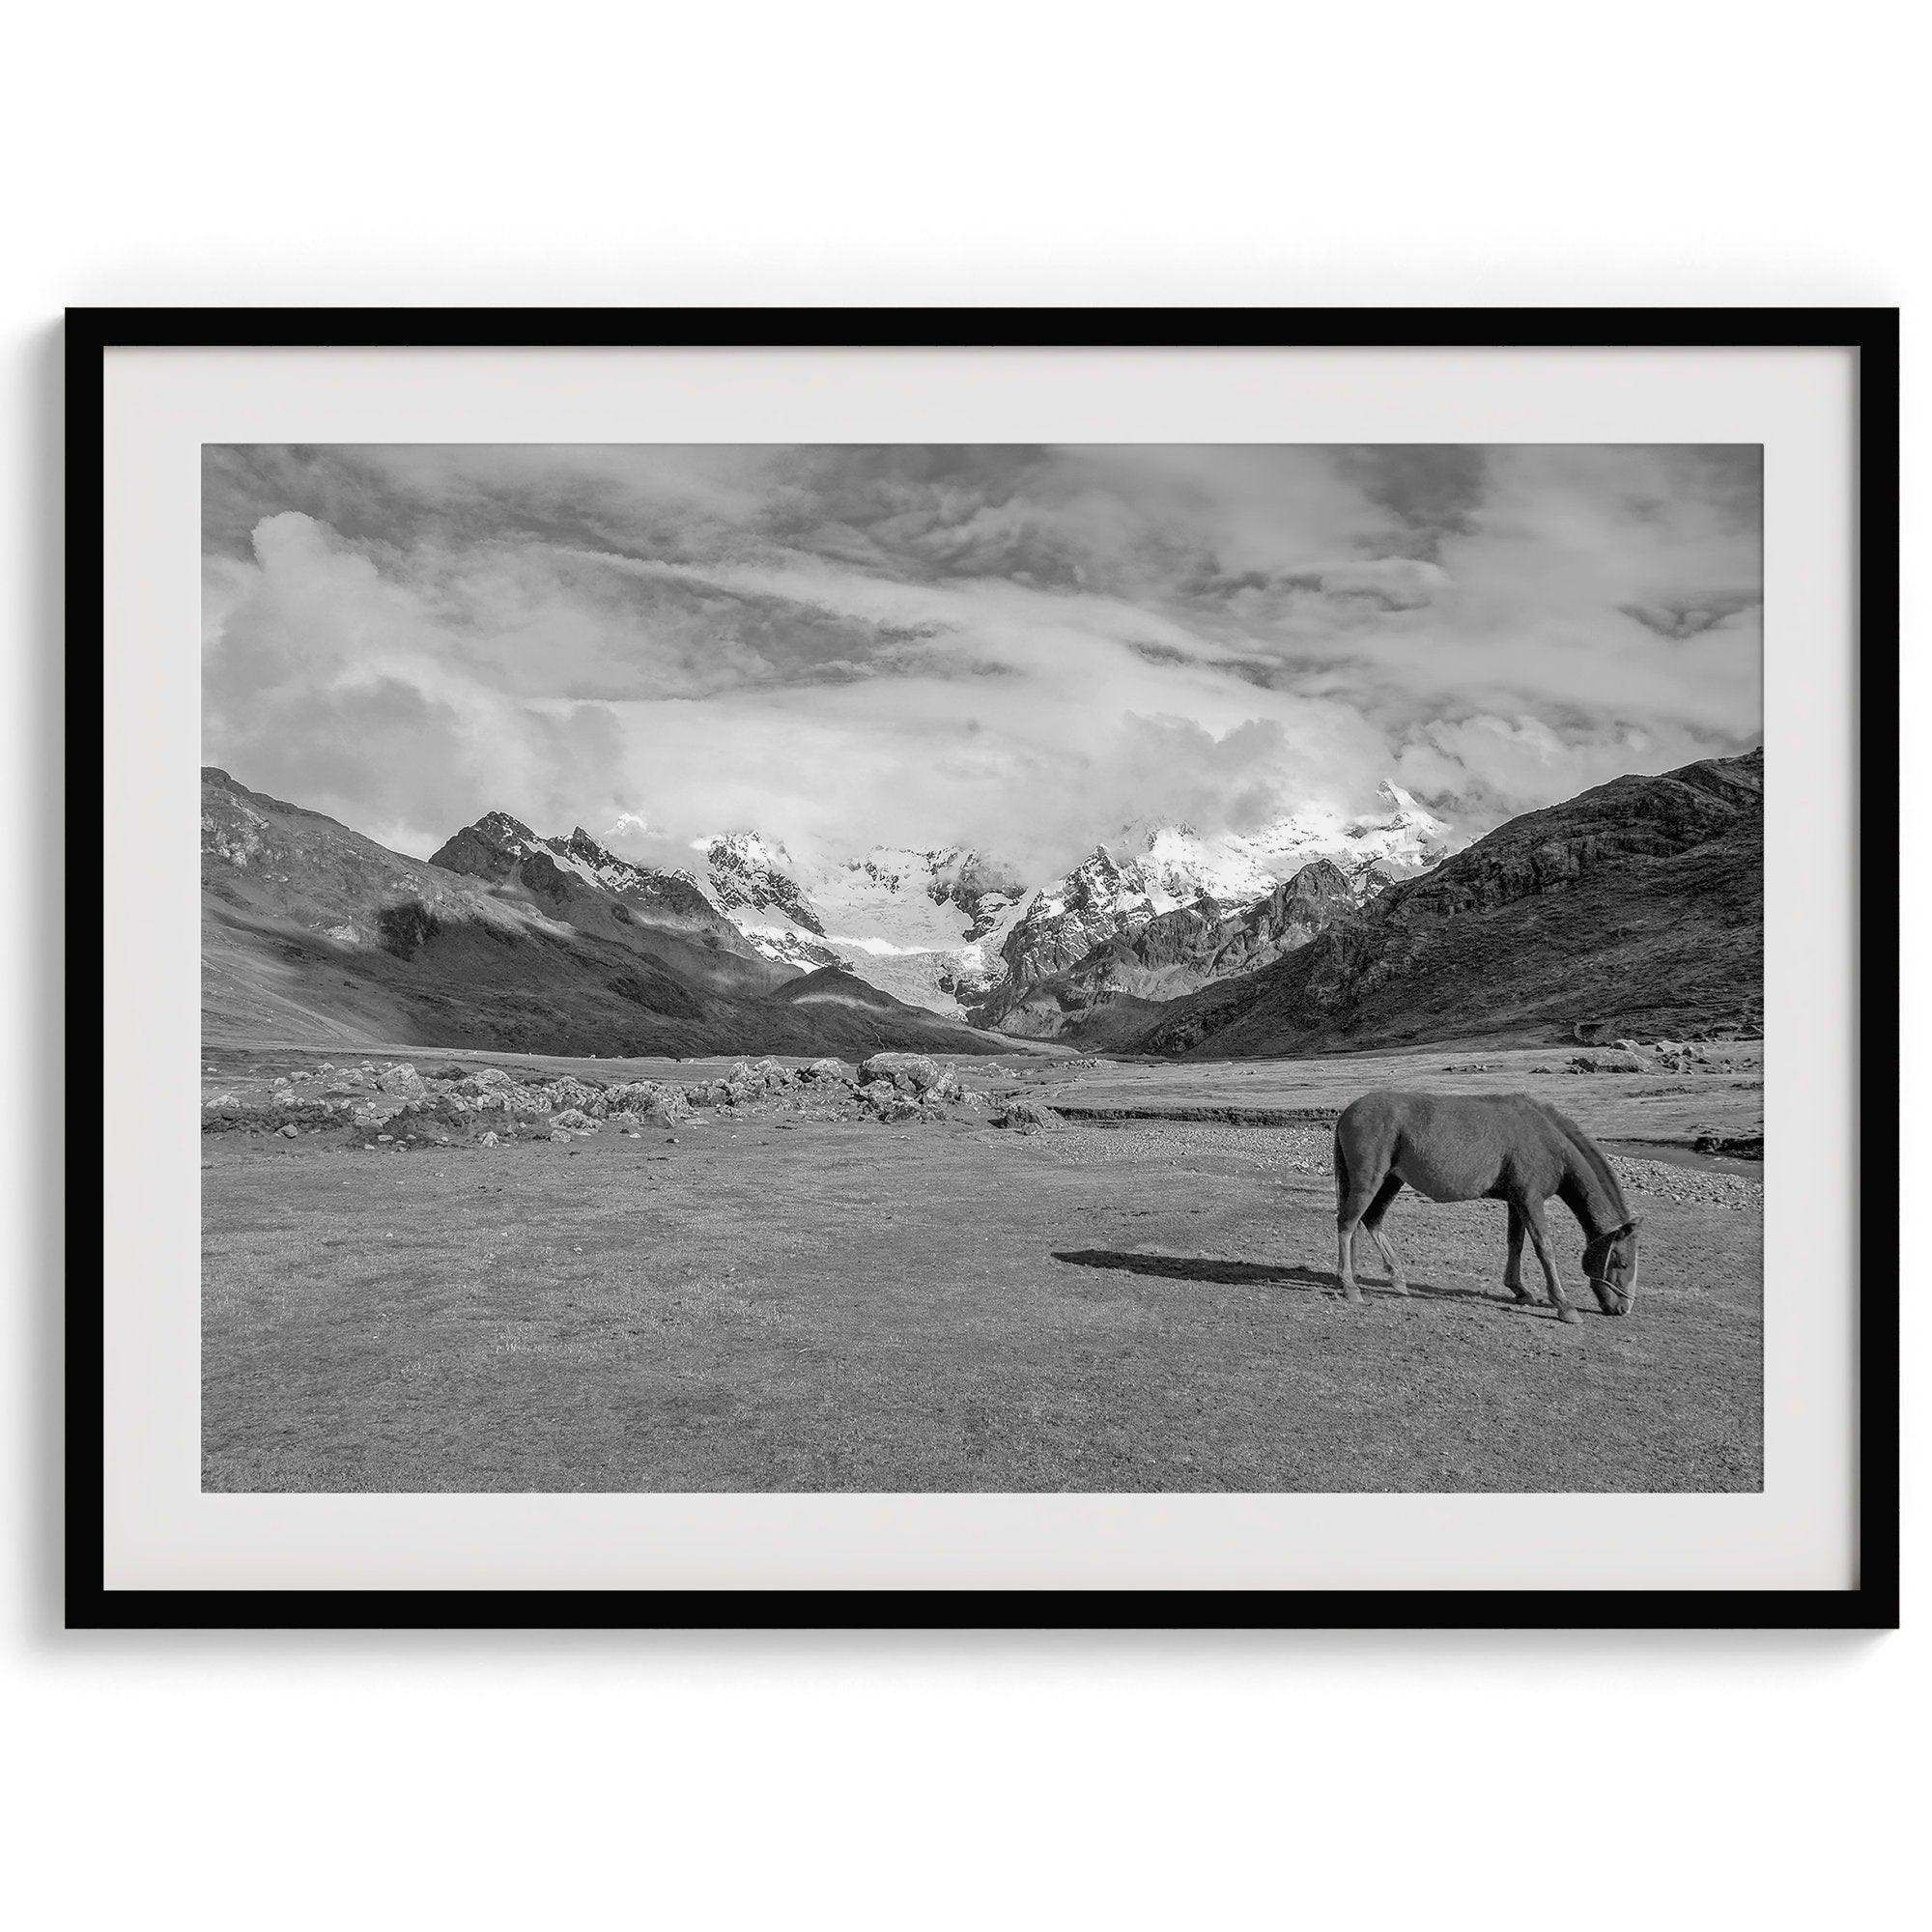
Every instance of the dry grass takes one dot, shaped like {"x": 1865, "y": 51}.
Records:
{"x": 762, "y": 1305}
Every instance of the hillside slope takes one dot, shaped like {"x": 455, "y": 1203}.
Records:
{"x": 576, "y": 882}
{"x": 1639, "y": 905}
{"x": 312, "y": 932}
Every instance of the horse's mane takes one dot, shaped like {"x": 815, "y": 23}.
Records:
{"x": 1595, "y": 1159}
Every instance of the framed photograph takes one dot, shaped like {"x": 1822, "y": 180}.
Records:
{"x": 1025, "y": 968}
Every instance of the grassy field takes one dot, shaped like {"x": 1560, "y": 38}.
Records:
{"x": 760, "y": 1303}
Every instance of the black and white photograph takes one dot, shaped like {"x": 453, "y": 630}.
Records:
{"x": 957, "y": 961}
{"x": 929, "y": 968}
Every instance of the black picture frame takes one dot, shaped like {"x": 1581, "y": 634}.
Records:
{"x": 1871, "y": 335}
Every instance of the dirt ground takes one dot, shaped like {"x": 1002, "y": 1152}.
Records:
{"x": 757, "y": 1303}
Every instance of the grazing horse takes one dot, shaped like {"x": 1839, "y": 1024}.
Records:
{"x": 1503, "y": 1146}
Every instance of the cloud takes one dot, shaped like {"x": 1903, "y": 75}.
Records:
{"x": 1015, "y": 647}
{"x": 345, "y": 687}
{"x": 1401, "y": 583}
{"x": 1483, "y": 768}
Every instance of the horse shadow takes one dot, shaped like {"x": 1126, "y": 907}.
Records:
{"x": 1203, "y": 1268}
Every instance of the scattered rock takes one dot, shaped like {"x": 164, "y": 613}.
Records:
{"x": 1025, "y": 1116}
{"x": 746, "y": 1082}
{"x": 649, "y": 1100}
{"x": 485, "y": 1080}
{"x": 908, "y": 1072}
{"x": 489, "y": 1104}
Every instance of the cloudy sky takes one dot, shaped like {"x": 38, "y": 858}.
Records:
{"x": 1013, "y": 647}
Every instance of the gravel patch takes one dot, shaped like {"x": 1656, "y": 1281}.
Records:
{"x": 1700, "y": 1187}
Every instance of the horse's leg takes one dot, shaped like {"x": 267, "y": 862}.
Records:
{"x": 1351, "y": 1203}
{"x": 1347, "y": 1218}
{"x": 1513, "y": 1268}
{"x": 1539, "y": 1239}
{"x": 1355, "y": 1202}
{"x": 1373, "y": 1221}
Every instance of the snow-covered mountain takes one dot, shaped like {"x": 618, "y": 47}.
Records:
{"x": 1151, "y": 870}
{"x": 1404, "y": 839}
{"x": 753, "y": 882}
{"x": 1108, "y": 991}
{"x": 955, "y": 930}
{"x": 1177, "y": 864}
{"x": 916, "y": 924}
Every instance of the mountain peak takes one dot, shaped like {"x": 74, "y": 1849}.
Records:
{"x": 500, "y": 829}
{"x": 742, "y": 849}
{"x": 1408, "y": 808}
{"x": 750, "y": 875}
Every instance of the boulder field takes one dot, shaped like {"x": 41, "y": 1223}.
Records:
{"x": 397, "y": 1106}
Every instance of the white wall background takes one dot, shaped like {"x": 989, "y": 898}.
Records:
{"x": 1407, "y": 154}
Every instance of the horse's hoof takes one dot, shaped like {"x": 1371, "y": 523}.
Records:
{"x": 1567, "y": 1314}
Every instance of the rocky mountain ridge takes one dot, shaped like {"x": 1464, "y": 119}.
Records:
{"x": 1636, "y": 907}
{"x": 1124, "y": 976}
{"x": 964, "y": 934}
{"x": 311, "y": 931}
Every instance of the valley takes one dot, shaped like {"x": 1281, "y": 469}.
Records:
{"x": 774, "y": 1293}
{"x": 1635, "y": 908}
{"x": 499, "y": 1193}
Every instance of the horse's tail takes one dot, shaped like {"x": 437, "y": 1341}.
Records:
{"x": 1341, "y": 1168}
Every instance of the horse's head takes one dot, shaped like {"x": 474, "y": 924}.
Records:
{"x": 1609, "y": 1260}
